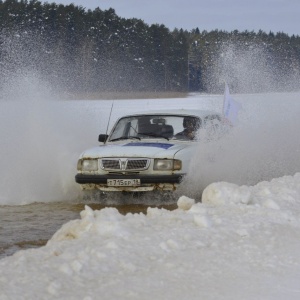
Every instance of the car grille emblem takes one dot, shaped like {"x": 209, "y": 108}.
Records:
{"x": 123, "y": 165}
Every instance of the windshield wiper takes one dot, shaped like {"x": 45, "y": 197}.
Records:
{"x": 125, "y": 138}
{"x": 134, "y": 137}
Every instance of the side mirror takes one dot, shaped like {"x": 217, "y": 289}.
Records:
{"x": 102, "y": 138}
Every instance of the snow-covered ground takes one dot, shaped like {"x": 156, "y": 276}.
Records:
{"x": 242, "y": 242}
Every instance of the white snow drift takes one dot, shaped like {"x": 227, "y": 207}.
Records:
{"x": 241, "y": 242}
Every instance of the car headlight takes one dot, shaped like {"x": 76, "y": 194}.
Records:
{"x": 167, "y": 164}
{"x": 87, "y": 165}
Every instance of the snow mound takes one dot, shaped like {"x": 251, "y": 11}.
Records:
{"x": 274, "y": 194}
{"x": 104, "y": 223}
{"x": 226, "y": 193}
{"x": 185, "y": 203}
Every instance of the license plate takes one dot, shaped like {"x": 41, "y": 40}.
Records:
{"x": 123, "y": 182}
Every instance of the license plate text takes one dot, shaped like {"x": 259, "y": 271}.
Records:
{"x": 123, "y": 182}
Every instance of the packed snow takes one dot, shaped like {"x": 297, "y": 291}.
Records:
{"x": 240, "y": 242}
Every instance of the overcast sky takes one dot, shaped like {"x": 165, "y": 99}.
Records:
{"x": 268, "y": 15}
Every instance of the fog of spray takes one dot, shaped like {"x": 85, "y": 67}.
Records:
{"x": 265, "y": 143}
{"x": 41, "y": 139}
{"x": 42, "y": 136}
{"x": 252, "y": 68}
{"x": 262, "y": 146}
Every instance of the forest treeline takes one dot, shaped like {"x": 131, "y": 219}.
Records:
{"x": 79, "y": 51}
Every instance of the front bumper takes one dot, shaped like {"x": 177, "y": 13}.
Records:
{"x": 148, "y": 182}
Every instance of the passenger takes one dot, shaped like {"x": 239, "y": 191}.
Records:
{"x": 191, "y": 126}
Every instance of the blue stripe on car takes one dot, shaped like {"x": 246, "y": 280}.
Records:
{"x": 158, "y": 145}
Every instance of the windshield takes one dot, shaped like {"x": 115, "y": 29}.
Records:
{"x": 156, "y": 126}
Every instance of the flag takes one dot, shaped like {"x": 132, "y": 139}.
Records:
{"x": 230, "y": 107}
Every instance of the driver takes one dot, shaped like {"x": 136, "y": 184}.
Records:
{"x": 144, "y": 125}
{"x": 191, "y": 126}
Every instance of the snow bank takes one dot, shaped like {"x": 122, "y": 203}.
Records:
{"x": 239, "y": 243}
{"x": 279, "y": 191}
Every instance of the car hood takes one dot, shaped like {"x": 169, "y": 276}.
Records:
{"x": 136, "y": 149}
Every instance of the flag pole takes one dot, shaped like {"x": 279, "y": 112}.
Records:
{"x": 230, "y": 107}
{"x": 223, "y": 108}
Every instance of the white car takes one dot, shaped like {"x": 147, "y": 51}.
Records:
{"x": 147, "y": 151}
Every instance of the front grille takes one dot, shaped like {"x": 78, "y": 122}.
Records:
{"x": 111, "y": 164}
{"x": 134, "y": 164}
{"x": 124, "y": 164}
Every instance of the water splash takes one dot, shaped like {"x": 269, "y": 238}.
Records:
{"x": 264, "y": 145}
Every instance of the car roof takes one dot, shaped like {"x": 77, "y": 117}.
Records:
{"x": 182, "y": 112}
